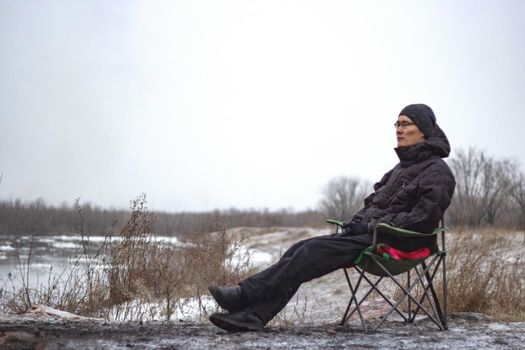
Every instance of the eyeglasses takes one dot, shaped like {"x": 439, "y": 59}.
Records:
{"x": 403, "y": 125}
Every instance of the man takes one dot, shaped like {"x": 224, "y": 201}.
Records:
{"x": 413, "y": 195}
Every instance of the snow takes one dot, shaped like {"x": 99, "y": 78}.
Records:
{"x": 189, "y": 309}
{"x": 6, "y": 248}
{"x": 65, "y": 245}
{"x": 43, "y": 310}
{"x": 186, "y": 309}
{"x": 497, "y": 326}
{"x": 257, "y": 258}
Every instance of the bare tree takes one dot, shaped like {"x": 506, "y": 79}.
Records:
{"x": 482, "y": 187}
{"x": 517, "y": 193}
{"x": 343, "y": 196}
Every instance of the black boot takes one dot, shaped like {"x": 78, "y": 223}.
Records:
{"x": 240, "y": 321}
{"x": 231, "y": 299}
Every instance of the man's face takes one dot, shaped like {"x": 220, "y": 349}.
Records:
{"x": 407, "y": 133}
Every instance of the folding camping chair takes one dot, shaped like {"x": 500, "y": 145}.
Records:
{"x": 370, "y": 263}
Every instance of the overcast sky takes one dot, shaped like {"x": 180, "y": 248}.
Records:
{"x": 246, "y": 104}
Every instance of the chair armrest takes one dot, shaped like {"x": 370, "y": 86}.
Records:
{"x": 335, "y": 222}
{"x": 390, "y": 230}
{"x": 400, "y": 232}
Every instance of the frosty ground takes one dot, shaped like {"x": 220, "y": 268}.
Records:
{"x": 310, "y": 321}
{"x": 467, "y": 331}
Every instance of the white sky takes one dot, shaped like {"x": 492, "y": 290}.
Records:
{"x": 247, "y": 104}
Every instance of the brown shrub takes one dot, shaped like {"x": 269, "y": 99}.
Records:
{"x": 486, "y": 275}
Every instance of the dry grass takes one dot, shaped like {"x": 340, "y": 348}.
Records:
{"x": 487, "y": 274}
{"x": 131, "y": 274}
{"x": 296, "y": 311}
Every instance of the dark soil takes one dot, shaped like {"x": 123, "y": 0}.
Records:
{"x": 467, "y": 331}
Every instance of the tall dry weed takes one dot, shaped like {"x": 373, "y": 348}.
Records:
{"x": 133, "y": 276}
{"x": 486, "y": 274}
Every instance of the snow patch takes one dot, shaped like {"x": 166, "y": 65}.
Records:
{"x": 6, "y": 248}
{"x": 186, "y": 309}
{"x": 260, "y": 258}
{"x": 257, "y": 258}
{"x": 65, "y": 245}
{"x": 43, "y": 310}
{"x": 191, "y": 309}
{"x": 496, "y": 326}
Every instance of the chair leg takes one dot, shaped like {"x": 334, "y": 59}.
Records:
{"x": 445, "y": 292}
{"x": 373, "y": 287}
{"x": 434, "y": 301}
{"x": 439, "y": 310}
{"x": 353, "y": 299}
{"x": 409, "y": 303}
{"x": 407, "y": 294}
{"x": 424, "y": 293}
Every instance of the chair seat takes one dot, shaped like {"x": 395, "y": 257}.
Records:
{"x": 394, "y": 267}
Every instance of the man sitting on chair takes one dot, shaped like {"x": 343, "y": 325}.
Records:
{"x": 413, "y": 195}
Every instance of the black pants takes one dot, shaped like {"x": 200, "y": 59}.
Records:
{"x": 268, "y": 291}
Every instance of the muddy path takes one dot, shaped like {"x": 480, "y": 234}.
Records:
{"x": 467, "y": 331}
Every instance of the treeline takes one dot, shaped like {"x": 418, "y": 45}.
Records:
{"x": 489, "y": 192}
{"x": 38, "y": 218}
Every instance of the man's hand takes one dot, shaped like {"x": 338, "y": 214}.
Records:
{"x": 354, "y": 229}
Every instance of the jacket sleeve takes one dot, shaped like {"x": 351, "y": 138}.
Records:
{"x": 435, "y": 190}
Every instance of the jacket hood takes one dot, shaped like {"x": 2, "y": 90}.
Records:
{"x": 436, "y": 144}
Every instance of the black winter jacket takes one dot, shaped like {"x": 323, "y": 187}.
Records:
{"x": 415, "y": 193}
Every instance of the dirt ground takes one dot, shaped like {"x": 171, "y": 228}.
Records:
{"x": 467, "y": 331}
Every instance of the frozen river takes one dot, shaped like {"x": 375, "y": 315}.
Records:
{"x": 51, "y": 254}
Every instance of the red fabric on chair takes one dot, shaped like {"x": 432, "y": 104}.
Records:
{"x": 396, "y": 254}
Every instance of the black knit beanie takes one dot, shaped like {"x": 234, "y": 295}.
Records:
{"x": 422, "y": 115}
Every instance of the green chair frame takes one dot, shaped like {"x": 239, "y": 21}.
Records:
{"x": 370, "y": 263}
